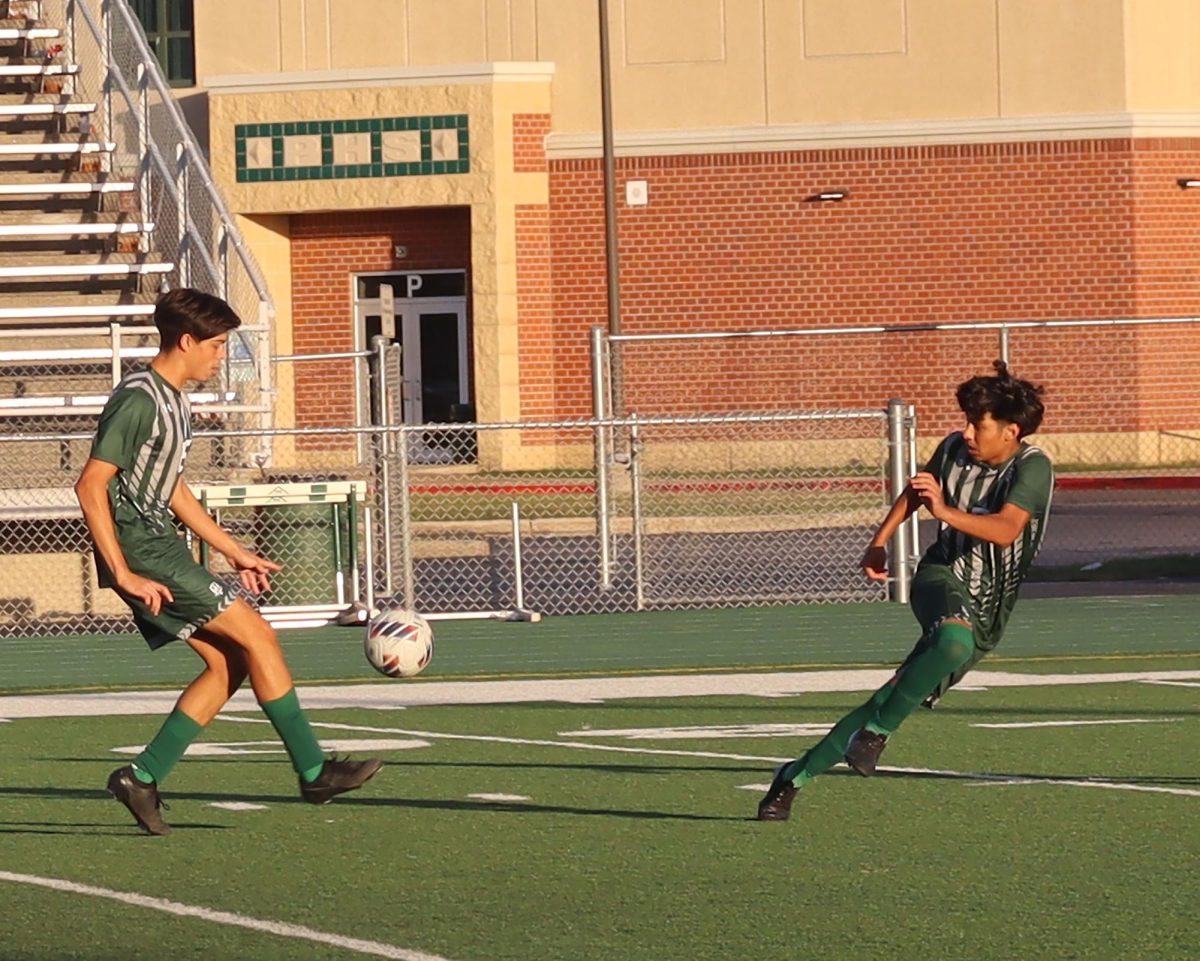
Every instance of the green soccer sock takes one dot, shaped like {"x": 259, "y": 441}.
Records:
{"x": 291, "y": 724}
{"x": 953, "y": 644}
{"x": 160, "y": 755}
{"x": 832, "y": 747}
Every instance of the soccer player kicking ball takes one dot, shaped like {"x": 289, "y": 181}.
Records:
{"x": 990, "y": 491}
{"x": 129, "y": 488}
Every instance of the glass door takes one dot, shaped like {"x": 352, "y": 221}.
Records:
{"x": 435, "y": 360}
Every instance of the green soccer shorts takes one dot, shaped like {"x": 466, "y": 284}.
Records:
{"x": 199, "y": 596}
{"x": 935, "y": 596}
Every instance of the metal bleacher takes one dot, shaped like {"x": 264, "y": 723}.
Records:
{"x": 78, "y": 270}
{"x": 105, "y": 201}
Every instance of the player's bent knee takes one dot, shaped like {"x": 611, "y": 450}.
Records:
{"x": 955, "y": 640}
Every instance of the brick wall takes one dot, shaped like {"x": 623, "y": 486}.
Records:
{"x": 327, "y": 251}
{"x": 540, "y": 363}
{"x": 529, "y": 142}
{"x": 972, "y": 233}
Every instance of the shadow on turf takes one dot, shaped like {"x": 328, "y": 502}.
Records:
{"x": 79, "y": 829}
{"x": 446, "y": 804}
{"x": 1164, "y": 780}
{"x": 515, "y": 765}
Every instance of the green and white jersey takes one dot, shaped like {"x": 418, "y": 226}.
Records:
{"x": 992, "y": 574}
{"x": 145, "y": 430}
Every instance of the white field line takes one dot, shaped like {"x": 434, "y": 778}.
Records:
{"x": 237, "y": 806}
{"x": 1175, "y": 683}
{"x": 1013, "y": 725}
{"x": 390, "y": 697}
{"x": 533, "y": 742}
{"x": 229, "y": 748}
{"x": 578, "y": 745}
{"x": 499, "y": 797}
{"x": 374, "y": 948}
{"x": 705, "y": 732}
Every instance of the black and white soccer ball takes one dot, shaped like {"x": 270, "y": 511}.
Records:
{"x": 399, "y": 643}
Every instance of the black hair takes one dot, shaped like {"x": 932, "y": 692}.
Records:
{"x": 188, "y": 311}
{"x": 1005, "y": 397}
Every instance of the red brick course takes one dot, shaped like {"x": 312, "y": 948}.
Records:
{"x": 327, "y": 251}
{"x": 529, "y": 142}
{"x": 938, "y": 234}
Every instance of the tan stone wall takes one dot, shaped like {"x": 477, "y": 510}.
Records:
{"x": 712, "y": 63}
{"x": 492, "y": 188}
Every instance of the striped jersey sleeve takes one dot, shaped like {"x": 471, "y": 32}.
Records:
{"x": 125, "y": 425}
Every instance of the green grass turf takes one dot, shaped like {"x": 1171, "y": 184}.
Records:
{"x": 636, "y": 856}
{"x": 755, "y": 638}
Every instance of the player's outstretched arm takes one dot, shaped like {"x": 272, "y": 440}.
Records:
{"x": 874, "y": 562}
{"x": 92, "y": 492}
{"x": 253, "y": 570}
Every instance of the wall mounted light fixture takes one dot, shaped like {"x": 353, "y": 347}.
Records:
{"x": 827, "y": 195}
{"x": 1186, "y": 183}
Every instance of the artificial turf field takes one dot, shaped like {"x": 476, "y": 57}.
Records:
{"x": 619, "y": 777}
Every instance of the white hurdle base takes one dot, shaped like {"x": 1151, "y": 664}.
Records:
{"x": 322, "y": 615}
{"x": 313, "y": 615}
{"x": 517, "y": 614}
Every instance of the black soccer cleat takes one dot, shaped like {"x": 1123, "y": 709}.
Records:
{"x": 862, "y": 753}
{"x": 337, "y": 777}
{"x": 141, "y": 799}
{"x": 776, "y": 804}
{"x": 931, "y": 701}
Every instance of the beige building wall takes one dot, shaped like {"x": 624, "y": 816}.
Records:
{"x": 1163, "y": 72}
{"x": 745, "y": 63}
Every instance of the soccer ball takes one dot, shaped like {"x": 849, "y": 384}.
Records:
{"x": 399, "y": 643}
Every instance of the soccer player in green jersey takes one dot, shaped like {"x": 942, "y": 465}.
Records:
{"x": 131, "y": 490}
{"x": 990, "y": 491}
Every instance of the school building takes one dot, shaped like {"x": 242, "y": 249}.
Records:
{"x": 781, "y": 164}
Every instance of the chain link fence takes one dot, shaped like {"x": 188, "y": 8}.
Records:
{"x": 1122, "y": 424}
{"x": 494, "y": 519}
{"x": 711, "y": 511}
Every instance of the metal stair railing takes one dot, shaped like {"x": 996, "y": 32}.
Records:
{"x": 194, "y": 227}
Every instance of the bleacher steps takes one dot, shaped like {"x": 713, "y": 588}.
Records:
{"x": 75, "y": 312}
{"x": 73, "y": 230}
{"x": 39, "y": 70}
{"x": 23, "y": 110}
{"x": 56, "y": 149}
{"x": 83, "y": 271}
{"x": 29, "y": 33}
{"x": 67, "y": 188}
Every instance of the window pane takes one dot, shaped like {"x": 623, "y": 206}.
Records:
{"x": 147, "y": 12}
{"x": 180, "y": 65}
{"x": 179, "y": 15}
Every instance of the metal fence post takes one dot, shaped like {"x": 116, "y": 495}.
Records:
{"x": 603, "y": 521}
{"x": 145, "y": 188}
{"x": 106, "y": 57}
{"x": 899, "y": 474}
{"x": 182, "y": 214}
{"x": 635, "y": 505}
{"x": 1004, "y": 344}
{"x": 380, "y": 441}
{"x": 914, "y": 522}
{"x": 114, "y": 331}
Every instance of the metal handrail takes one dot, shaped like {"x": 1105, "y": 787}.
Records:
{"x": 879, "y": 415}
{"x": 183, "y": 131}
{"x": 1000, "y": 325}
